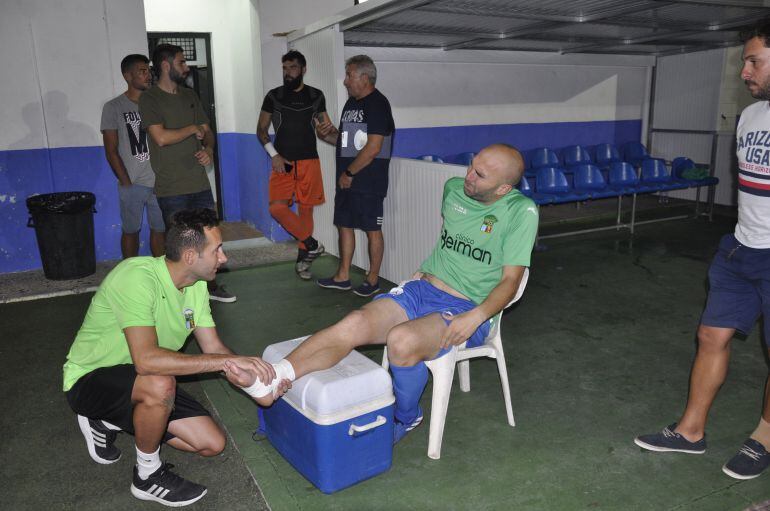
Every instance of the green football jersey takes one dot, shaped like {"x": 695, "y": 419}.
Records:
{"x": 137, "y": 292}
{"x": 477, "y": 240}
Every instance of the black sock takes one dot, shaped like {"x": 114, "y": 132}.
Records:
{"x": 301, "y": 255}
{"x": 310, "y": 243}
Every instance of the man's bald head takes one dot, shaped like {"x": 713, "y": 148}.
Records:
{"x": 495, "y": 170}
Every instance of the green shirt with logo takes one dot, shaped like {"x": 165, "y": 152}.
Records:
{"x": 477, "y": 240}
{"x": 138, "y": 292}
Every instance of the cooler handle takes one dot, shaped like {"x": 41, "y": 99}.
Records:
{"x": 354, "y": 429}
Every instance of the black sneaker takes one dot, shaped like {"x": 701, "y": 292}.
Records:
{"x": 367, "y": 289}
{"x": 750, "y": 461}
{"x": 220, "y": 294}
{"x": 669, "y": 440}
{"x": 166, "y": 487}
{"x": 100, "y": 440}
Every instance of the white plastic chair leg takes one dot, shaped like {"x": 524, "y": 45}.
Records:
{"x": 464, "y": 372}
{"x": 443, "y": 369}
{"x": 503, "y": 372}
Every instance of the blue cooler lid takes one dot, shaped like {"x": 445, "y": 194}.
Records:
{"x": 355, "y": 386}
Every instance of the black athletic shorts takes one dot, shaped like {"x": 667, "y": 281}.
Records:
{"x": 105, "y": 394}
{"x": 358, "y": 210}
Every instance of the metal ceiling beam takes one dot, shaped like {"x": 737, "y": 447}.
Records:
{"x": 639, "y": 5}
{"x": 645, "y": 5}
{"x": 389, "y": 9}
{"x": 751, "y": 4}
{"x": 662, "y": 35}
{"x": 534, "y": 28}
{"x": 405, "y": 29}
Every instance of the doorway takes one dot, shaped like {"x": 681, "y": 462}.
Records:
{"x": 197, "y": 52}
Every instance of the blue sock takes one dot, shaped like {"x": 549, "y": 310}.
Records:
{"x": 408, "y": 384}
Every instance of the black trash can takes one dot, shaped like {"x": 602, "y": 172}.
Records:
{"x": 64, "y": 226}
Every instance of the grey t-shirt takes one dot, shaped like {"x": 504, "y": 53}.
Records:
{"x": 122, "y": 114}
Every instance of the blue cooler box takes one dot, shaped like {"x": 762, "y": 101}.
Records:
{"x": 334, "y": 426}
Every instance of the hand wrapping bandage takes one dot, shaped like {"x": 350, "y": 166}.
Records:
{"x": 283, "y": 371}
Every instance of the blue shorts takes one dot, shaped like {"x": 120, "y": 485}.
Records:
{"x": 173, "y": 203}
{"x": 739, "y": 287}
{"x": 419, "y": 298}
{"x": 358, "y": 210}
{"x": 133, "y": 200}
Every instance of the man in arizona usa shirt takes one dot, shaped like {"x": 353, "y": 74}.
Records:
{"x": 473, "y": 272}
{"x": 739, "y": 280}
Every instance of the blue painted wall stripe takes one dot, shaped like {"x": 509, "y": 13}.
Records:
{"x": 245, "y": 170}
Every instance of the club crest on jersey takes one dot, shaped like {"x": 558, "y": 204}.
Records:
{"x": 189, "y": 319}
{"x": 488, "y": 223}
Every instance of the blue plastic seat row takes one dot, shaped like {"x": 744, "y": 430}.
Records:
{"x": 552, "y": 185}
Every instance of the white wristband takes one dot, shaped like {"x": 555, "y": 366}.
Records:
{"x": 270, "y": 149}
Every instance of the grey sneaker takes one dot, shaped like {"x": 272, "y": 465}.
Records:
{"x": 302, "y": 268}
{"x": 313, "y": 254}
{"x": 220, "y": 294}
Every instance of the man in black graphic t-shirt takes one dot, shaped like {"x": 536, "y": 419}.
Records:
{"x": 364, "y": 142}
{"x": 293, "y": 109}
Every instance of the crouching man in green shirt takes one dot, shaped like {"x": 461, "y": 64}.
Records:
{"x": 474, "y": 271}
{"x": 120, "y": 372}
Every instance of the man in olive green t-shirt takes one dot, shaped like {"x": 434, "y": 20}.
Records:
{"x": 473, "y": 272}
{"x": 181, "y": 142}
{"x": 121, "y": 370}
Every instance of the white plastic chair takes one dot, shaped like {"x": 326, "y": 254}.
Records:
{"x": 443, "y": 368}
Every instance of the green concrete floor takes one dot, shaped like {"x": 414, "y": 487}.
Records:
{"x": 598, "y": 351}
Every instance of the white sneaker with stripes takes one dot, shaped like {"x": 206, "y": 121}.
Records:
{"x": 167, "y": 488}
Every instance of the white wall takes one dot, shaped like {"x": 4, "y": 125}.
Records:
{"x": 235, "y": 57}
{"x": 439, "y": 88}
{"x": 701, "y": 91}
{"x": 283, "y": 16}
{"x": 61, "y": 62}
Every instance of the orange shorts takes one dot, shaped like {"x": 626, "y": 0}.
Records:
{"x": 303, "y": 183}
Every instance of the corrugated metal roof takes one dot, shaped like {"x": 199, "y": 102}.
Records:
{"x": 647, "y": 27}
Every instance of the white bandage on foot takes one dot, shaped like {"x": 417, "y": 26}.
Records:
{"x": 283, "y": 371}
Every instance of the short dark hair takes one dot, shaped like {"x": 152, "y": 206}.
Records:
{"x": 760, "y": 29}
{"x": 295, "y": 55}
{"x": 130, "y": 61}
{"x": 164, "y": 53}
{"x": 187, "y": 231}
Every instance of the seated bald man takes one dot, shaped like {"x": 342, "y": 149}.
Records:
{"x": 474, "y": 271}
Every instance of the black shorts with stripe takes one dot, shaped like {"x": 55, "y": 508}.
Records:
{"x": 105, "y": 394}
{"x": 358, "y": 210}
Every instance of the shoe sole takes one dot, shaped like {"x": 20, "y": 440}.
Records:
{"x": 335, "y": 287}
{"x": 365, "y": 295}
{"x": 656, "y": 448}
{"x": 143, "y": 495}
{"x": 304, "y": 276}
{"x": 224, "y": 300}
{"x": 85, "y": 428}
{"x": 736, "y": 475}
